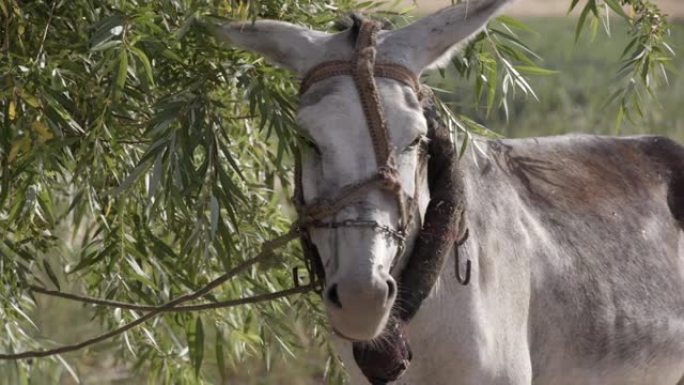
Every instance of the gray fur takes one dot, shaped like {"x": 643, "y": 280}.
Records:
{"x": 576, "y": 242}
{"x": 603, "y": 256}
{"x": 578, "y": 266}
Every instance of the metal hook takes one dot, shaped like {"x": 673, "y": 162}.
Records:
{"x": 462, "y": 280}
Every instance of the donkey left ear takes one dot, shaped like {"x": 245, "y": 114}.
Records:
{"x": 287, "y": 45}
{"x": 434, "y": 39}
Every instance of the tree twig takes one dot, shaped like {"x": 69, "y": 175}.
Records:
{"x": 45, "y": 32}
{"x": 179, "y": 309}
{"x": 265, "y": 253}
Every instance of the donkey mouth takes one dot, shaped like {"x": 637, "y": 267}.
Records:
{"x": 341, "y": 335}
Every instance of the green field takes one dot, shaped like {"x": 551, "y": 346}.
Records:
{"x": 574, "y": 99}
{"x": 571, "y": 101}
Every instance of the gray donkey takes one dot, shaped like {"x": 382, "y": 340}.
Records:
{"x": 575, "y": 247}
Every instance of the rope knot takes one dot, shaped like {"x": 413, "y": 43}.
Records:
{"x": 389, "y": 178}
{"x": 366, "y": 56}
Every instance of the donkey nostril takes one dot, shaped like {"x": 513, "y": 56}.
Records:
{"x": 391, "y": 288}
{"x": 334, "y": 297}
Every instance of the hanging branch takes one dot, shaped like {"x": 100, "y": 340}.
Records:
{"x": 265, "y": 253}
{"x": 646, "y": 58}
{"x": 175, "y": 309}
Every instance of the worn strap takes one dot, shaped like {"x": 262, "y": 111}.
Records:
{"x": 335, "y": 68}
{"x": 364, "y": 61}
{"x": 444, "y": 224}
{"x": 322, "y": 209}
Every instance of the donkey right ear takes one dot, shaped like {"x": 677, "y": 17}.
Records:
{"x": 432, "y": 40}
{"x": 286, "y": 45}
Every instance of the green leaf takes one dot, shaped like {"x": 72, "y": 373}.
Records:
{"x": 214, "y": 211}
{"x": 68, "y": 368}
{"x": 573, "y": 5}
{"x": 515, "y": 23}
{"x": 582, "y": 19}
{"x": 617, "y": 8}
{"x": 29, "y": 99}
{"x": 196, "y": 345}
{"x": 619, "y": 119}
{"x": 538, "y": 71}
{"x": 220, "y": 358}
{"x": 121, "y": 73}
{"x": 105, "y": 31}
{"x": 492, "y": 82}
{"x": 145, "y": 61}
{"x": 131, "y": 179}
{"x": 51, "y": 274}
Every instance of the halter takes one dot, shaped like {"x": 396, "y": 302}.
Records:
{"x": 443, "y": 226}
{"x": 363, "y": 69}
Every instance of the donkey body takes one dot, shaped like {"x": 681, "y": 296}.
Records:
{"x": 578, "y": 247}
{"x": 576, "y": 243}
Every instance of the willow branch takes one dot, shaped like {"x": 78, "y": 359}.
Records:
{"x": 176, "y": 309}
{"x": 265, "y": 253}
{"x": 45, "y": 32}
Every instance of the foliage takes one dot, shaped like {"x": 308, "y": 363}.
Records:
{"x": 140, "y": 159}
{"x": 500, "y": 61}
{"x": 646, "y": 58}
{"x": 574, "y": 99}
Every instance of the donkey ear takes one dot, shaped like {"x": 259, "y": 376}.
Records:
{"x": 434, "y": 39}
{"x": 286, "y": 45}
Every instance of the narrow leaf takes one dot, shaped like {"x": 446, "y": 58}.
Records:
{"x": 147, "y": 66}
{"x": 122, "y": 72}
{"x": 539, "y": 71}
{"x": 581, "y": 21}
{"x": 197, "y": 348}
{"x": 220, "y": 358}
{"x": 51, "y": 274}
{"x": 615, "y": 6}
{"x": 215, "y": 209}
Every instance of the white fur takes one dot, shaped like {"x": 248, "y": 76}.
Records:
{"x": 358, "y": 260}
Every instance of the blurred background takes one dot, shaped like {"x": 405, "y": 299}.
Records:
{"x": 538, "y": 8}
{"x": 573, "y": 99}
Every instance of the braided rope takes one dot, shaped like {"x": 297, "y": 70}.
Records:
{"x": 368, "y": 91}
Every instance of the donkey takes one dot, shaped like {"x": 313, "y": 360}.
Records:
{"x": 576, "y": 243}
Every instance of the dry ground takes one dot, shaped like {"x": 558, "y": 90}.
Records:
{"x": 673, "y": 8}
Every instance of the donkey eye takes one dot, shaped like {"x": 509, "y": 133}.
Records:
{"x": 415, "y": 143}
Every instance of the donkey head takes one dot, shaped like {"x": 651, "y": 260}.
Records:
{"x": 358, "y": 260}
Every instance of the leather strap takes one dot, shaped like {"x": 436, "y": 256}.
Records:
{"x": 344, "y": 68}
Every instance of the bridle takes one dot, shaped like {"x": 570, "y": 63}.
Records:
{"x": 363, "y": 69}
{"x": 442, "y": 228}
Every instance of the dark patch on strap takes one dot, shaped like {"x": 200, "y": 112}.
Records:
{"x": 443, "y": 222}
{"x": 312, "y": 259}
{"x": 386, "y": 359}
{"x": 345, "y": 22}
{"x": 353, "y": 23}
